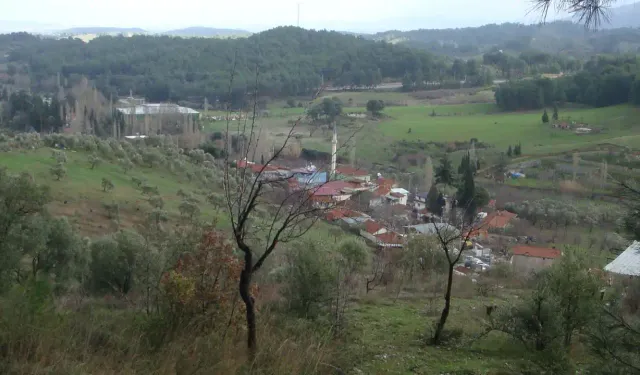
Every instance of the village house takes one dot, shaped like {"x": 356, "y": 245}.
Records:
{"x": 389, "y": 240}
{"x": 330, "y": 193}
{"x": 398, "y": 196}
{"x": 371, "y": 230}
{"x": 627, "y": 264}
{"x": 378, "y": 196}
{"x": 343, "y": 212}
{"x": 420, "y": 201}
{"x": 498, "y": 220}
{"x": 527, "y": 259}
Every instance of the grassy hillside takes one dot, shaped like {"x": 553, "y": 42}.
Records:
{"x": 80, "y": 195}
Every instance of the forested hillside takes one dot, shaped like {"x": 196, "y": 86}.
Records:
{"x": 604, "y": 81}
{"x": 291, "y": 61}
{"x": 555, "y": 37}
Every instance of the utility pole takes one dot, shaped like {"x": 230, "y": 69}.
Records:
{"x": 298, "y": 14}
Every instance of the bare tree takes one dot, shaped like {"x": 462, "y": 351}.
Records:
{"x": 291, "y": 212}
{"x": 453, "y": 240}
{"x": 591, "y": 13}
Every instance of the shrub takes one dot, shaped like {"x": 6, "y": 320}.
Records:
{"x": 113, "y": 261}
{"x": 58, "y": 171}
{"x": 94, "y": 161}
{"x": 113, "y": 210}
{"x": 107, "y": 185}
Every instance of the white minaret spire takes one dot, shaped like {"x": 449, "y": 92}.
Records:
{"x": 334, "y": 151}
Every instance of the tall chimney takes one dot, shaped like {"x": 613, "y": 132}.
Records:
{"x": 334, "y": 151}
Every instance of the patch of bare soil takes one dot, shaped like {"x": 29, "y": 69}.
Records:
{"x": 91, "y": 218}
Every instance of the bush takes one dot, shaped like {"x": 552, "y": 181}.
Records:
{"x": 94, "y": 161}
{"x": 107, "y": 185}
{"x": 308, "y": 277}
{"x": 58, "y": 171}
{"x": 113, "y": 261}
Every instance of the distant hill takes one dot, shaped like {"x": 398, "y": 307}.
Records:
{"x": 207, "y": 32}
{"x": 555, "y": 37}
{"x": 101, "y": 30}
{"x": 623, "y": 16}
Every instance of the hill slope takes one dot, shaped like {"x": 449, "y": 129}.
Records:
{"x": 555, "y": 37}
{"x": 292, "y": 61}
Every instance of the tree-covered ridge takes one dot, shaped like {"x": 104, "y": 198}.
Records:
{"x": 604, "y": 81}
{"x": 291, "y": 61}
{"x": 555, "y": 37}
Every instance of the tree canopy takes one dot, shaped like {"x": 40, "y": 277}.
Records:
{"x": 291, "y": 61}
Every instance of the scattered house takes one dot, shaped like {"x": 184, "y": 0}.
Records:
{"x": 480, "y": 251}
{"x": 379, "y": 196}
{"x": 420, "y": 201}
{"x": 397, "y": 198}
{"x": 389, "y": 239}
{"x": 371, "y": 230}
{"x": 346, "y": 172}
{"x": 329, "y": 193}
{"x": 627, "y": 263}
{"x": 342, "y": 212}
{"x": 497, "y": 220}
{"x": 527, "y": 259}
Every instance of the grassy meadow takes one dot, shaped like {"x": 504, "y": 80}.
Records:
{"x": 482, "y": 121}
{"x": 79, "y": 195}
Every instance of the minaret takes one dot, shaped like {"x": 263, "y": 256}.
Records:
{"x": 334, "y": 151}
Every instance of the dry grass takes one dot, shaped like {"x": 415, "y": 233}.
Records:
{"x": 103, "y": 340}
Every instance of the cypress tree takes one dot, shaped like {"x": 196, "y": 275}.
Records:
{"x": 545, "y": 117}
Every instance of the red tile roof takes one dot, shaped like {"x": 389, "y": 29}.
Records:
{"x": 536, "y": 252}
{"x": 498, "y": 219}
{"x": 382, "y": 191}
{"x": 388, "y": 182}
{"x": 372, "y": 227}
{"x": 350, "y": 171}
{"x": 390, "y": 238}
{"x": 330, "y": 188}
{"x": 339, "y": 213}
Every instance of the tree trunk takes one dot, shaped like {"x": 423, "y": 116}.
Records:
{"x": 245, "y": 283}
{"x": 445, "y": 312}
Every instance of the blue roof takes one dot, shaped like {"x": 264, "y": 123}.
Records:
{"x": 311, "y": 179}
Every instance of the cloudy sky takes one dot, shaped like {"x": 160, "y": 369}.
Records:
{"x": 256, "y": 15}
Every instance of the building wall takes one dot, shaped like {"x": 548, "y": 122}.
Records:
{"x": 525, "y": 265}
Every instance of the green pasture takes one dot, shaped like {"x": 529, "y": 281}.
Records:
{"x": 503, "y": 129}
{"x": 82, "y": 185}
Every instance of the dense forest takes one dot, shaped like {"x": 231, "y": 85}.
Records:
{"x": 603, "y": 81}
{"x": 556, "y": 37}
{"x": 290, "y": 61}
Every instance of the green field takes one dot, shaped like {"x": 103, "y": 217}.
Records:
{"x": 80, "y": 195}
{"x": 504, "y": 129}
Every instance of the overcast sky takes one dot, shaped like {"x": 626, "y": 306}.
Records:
{"x": 256, "y": 15}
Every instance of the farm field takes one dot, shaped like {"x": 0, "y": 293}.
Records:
{"x": 504, "y": 129}
{"x": 620, "y": 126}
